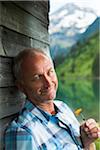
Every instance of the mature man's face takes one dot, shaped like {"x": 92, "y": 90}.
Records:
{"x": 39, "y": 81}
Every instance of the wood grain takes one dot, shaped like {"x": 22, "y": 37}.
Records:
{"x": 23, "y": 22}
{"x": 11, "y": 101}
{"x": 38, "y": 9}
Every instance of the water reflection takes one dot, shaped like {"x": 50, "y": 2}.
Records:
{"x": 81, "y": 93}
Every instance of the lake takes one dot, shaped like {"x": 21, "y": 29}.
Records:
{"x": 81, "y": 93}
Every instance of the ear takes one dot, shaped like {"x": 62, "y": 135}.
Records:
{"x": 20, "y": 86}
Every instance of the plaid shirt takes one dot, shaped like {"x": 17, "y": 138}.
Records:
{"x": 35, "y": 129}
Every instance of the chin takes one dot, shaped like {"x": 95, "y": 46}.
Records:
{"x": 51, "y": 97}
{"x": 48, "y": 101}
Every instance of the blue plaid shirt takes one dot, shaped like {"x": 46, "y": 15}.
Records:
{"x": 35, "y": 129}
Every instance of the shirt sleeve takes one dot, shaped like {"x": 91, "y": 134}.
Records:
{"x": 18, "y": 139}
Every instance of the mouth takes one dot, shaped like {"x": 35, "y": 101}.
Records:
{"x": 46, "y": 91}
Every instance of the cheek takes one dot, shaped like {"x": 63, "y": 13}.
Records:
{"x": 35, "y": 87}
{"x": 30, "y": 91}
{"x": 56, "y": 83}
{"x": 55, "y": 80}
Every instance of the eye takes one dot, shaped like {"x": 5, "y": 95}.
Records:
{"x": 36, "y": 77}
{"x": 51, "y": 71}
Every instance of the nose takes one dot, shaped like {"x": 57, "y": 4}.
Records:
{"x": 47, "y": 81}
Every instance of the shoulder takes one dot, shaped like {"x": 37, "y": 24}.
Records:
{"x": 21, "y": 123}
{"x": 69, "y": 116}
{"x": 63, "y": 106}
{"x": 17, "y": 137}
{"x": 65, "y": 109}
{"x": 14, "y": 134}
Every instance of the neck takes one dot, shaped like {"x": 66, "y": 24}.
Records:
{"x": 48, "y": 107}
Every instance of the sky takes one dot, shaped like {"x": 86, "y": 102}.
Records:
{"x": 94, "y": 4}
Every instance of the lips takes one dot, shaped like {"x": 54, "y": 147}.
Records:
{"x": 46, "y": 91}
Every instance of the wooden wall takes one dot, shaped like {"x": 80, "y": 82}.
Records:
{"x": 22, "y": 25}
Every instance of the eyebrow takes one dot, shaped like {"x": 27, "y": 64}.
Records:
{"x": 39, "y": 73}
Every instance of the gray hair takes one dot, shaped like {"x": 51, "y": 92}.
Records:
{"x": 19, "y": 59}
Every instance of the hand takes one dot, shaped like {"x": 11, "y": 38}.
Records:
{"x": 89, "y": 132}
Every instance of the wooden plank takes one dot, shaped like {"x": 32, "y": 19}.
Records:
{"x": 6, "y": 75}
{"x": 38, "y": 9}
{"x": 6, "y": 79}
{"x": 46, "y": 3}
{"x": 14, "y": 42}
{"x": 19, "y": 20}
{"x": 11, "y": 101}
{"x": 40, "y": 45}
{"x": 9, "y": 108}
{"x": 1, "y": 46}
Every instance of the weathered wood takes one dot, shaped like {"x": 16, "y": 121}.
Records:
{"x": 6, "y": 74}
{"x": 38, "y": 9}
{"x": 1, "y": 46}
{"x": 11, "y": 101}
{"x": 10, "y": 97}
{"x": 21, "y": 21}
{"x": 40, "y": 45}
{"x": 13, "y": 42}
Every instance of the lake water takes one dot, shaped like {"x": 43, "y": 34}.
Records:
{"x": 81, "y": 93}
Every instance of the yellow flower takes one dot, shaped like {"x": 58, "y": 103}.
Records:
{"x": 78, "y": 111}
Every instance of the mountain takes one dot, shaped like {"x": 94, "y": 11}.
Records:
{"x": 83, "y": 60}
{"x": 66, "y": 27}
{"x": 91, "y": 30}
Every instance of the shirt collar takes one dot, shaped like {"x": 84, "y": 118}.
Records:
{"x": 38, "y": 112}
{"x": 48, "y": 115}
{"x": 60, "y": 115}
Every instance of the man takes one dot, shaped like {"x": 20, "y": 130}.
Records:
{"x": 44, "y": 124}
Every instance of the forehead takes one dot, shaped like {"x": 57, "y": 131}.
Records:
{"x": 36, "y": 62}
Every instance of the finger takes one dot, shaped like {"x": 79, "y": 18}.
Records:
{"x": 86, "y": 129}
{"x": 91, "y": 126}
{"x": 94, "y": 133}
{"x": 93, "y": 130}
{"x": 98, "y": 129}
{"x": 99, "y": 134}
{"x": 90, "y": 121}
